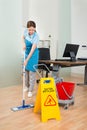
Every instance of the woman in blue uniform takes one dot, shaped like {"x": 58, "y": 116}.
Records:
{"x": 30, "y": 41}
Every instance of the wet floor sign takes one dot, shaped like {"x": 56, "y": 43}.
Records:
{"x": 46, "y": 100}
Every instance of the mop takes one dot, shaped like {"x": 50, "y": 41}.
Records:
{"x": 23, "y": 106}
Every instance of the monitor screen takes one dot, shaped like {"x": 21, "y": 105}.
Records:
{"x": 71, "y": 51}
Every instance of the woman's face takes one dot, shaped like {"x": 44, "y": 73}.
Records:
{"x": 31, "y": 30}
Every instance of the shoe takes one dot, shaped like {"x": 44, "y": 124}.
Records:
{"x": 25, "y": 89}
{"x": 29, "y": 94}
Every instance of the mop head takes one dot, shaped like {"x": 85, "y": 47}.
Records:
{"x": 23, "y": 107}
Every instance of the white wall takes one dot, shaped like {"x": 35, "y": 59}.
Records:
{"x": 79, "y": 28}
{"x": 45, "y": 14}
{"x": 64, "y": 29}
{"x": 10, "y": 37}
{"x": 52, "y": 18}
{"x": 25, "y": 12}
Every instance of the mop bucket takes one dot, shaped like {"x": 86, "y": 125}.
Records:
{"x": 65, "y": 90}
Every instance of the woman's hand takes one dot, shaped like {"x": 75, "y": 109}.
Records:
{"x": 25, "y": 62}
{"x": 24, "y": 46}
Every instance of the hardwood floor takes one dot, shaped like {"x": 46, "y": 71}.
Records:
{"x": 74, "y": 118}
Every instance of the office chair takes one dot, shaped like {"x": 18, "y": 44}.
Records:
{"x": 44, "y": 54}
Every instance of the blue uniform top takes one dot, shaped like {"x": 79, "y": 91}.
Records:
{"x": 29, "y": 41}
{"x": 34, "y": 38}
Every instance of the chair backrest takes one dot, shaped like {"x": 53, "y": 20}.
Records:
{"x": 44, "y": 53}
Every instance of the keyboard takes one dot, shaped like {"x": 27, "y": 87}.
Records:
{"x": 82, "y": 58}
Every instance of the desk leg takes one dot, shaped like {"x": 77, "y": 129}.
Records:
{"x": 85, "y": 77}
{"x": 55, "y": 73}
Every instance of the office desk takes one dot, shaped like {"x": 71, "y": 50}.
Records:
{"x": 58, "y": 64}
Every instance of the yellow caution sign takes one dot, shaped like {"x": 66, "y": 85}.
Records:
{"x": 46, "y": 100}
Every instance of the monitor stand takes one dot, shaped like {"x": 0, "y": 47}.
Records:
{"x": 72, "y": 56}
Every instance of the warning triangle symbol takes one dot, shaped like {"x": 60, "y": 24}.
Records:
{"x": 50, "y": 101}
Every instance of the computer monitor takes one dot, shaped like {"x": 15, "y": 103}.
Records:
{"x": 71, "y": 51}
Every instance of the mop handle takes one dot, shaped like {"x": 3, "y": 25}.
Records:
{"x": 24, "y": 60}
{"x": 23, "y": 74}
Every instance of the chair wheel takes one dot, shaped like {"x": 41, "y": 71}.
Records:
{"x": 73, "y": 103}
{"x": 38, "y": 80}
{"x": 66, "y": 107}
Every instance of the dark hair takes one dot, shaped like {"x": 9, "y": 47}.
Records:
{"x": 31, "y": 24}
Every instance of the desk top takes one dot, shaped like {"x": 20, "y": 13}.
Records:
{"x": 65, "y": 63}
